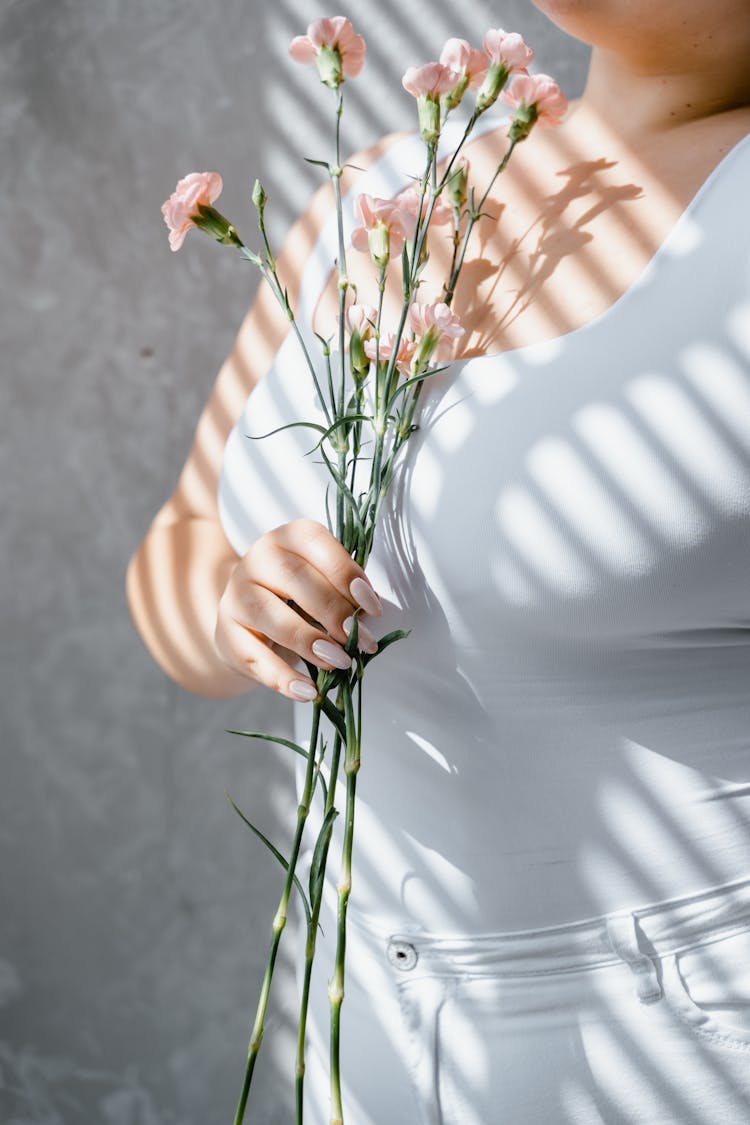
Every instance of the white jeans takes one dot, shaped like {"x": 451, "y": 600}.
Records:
{"x": 633, "y": 1018}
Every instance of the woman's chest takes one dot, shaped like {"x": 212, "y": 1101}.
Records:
{"x": 595, "y": 487}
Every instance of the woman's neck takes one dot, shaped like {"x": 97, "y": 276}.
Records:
{"x": 641, "y": 98}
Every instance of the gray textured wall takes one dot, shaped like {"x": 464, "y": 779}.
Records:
{"x": 135, "y": 906}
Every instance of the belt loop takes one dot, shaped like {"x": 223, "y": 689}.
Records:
{"x": 622, "y": 931}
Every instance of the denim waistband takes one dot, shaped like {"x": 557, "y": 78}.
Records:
{"x": 635, "y": 936}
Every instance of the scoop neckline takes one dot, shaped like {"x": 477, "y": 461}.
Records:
{"x": 653, "y": 261}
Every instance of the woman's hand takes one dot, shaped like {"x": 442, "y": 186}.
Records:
{"x": 295, "y": 588}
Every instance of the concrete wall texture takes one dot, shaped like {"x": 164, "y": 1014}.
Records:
{"x": 135, "y": 906}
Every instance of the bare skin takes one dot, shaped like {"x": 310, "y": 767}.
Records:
{"x": 577, "y": 216}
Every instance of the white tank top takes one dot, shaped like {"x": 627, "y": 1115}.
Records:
{"x": 566, "y": 730}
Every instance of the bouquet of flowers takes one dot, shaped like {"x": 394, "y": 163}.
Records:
{"x": 368, "y": 390}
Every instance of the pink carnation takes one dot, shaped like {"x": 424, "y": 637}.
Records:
{"x": 435, "y": 323}
{"x": 372, "y": 213}
{"x": 336, "y": 32}
{"x": 385, "y": 350}
{"x": 181, "y": 208}
{"x": 507, "y": 49}
{"x": 465, "y": 60}
{"x": 438, "y": 316}
{"x": 539, "y": 90}
{"x": 361, "y": 318}
{"x": 430, "y": 80}
{"x": 407, "y": 202}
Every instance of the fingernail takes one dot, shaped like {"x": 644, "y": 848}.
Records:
{"x": 365, "y": 640}
{"x": 303, "y": 690}
{"x": 365, "y": 597}
{"x": 332, "y": 654}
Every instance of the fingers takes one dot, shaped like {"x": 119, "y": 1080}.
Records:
{"x": 253, "y": 657}
{"x": 314, "y": 543}
{"x": 296, "y": 589}
{"x": 293, "y": 578}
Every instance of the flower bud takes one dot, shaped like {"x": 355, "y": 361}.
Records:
{"x": 428, "y": 110}
{"x": 523, "y": 122}
{"x": 453, "y": 98}
{"x": 425, "y": 350}
{"x": 214, "y": 223}
{"x": 455, "y": 187}
{"x": 330, "y": 69}
{"x": 379, "y": 243}
{"x": 259, "y": 197}
{"x": 489, "y": 91}
{"x": 359, "y": 361}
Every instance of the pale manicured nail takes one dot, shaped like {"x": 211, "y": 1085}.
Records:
{"x": 365, "y": 597}
{"x": 365, "y": 640}
{"x": 303, "y": 691}
{"x": 332, "y": 654}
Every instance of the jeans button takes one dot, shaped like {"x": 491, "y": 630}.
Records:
{"x": 402, "y": 955}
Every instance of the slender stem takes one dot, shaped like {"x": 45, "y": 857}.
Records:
{"x": 475, "y": 213}
{"x": 336, "y": 984}
{"x": 312, "y": 934}
{"x": 279, "y": 921}
{"x": 271, "y": 276}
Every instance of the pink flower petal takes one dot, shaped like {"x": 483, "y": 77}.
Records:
{"x": 461, "y": 57}
{"x": 540, "y": 90}
{"x": 430, "y": 80}
{"x": 181, "y": 207}
{"x": 302, "y": 49}
{"x": 507, "y": 48}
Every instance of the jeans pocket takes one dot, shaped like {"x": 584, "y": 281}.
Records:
{"x": 708, "y": 986}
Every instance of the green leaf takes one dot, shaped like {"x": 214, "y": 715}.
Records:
{"x": 351, "y": 643}
{"x": 385, "y": 642}
{"x": 288, "y": 426}
{"x": 410, "y": 383}
{"x": 320, "y": 852}
{"x": 325, "y": 344}
{"x": 344, "y": 420}
{"x": 320, "y": 163}
{"x": 333, "y": 714}
{"x": 270, "y": 738}
{"x": 329, "y": 519}
{"x": 344, "y": 488}
{"x": 275, "y": 851}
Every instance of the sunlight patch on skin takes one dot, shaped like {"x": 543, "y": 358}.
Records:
{"x": 638, "y": 471}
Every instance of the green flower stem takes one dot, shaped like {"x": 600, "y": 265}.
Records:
{"x": 336, "y": 984}
{"x": 279, "y": 921}
{"x": 446, "y": 174}
{"x": 475, "y": 213}
{"x": 272, "y": 277}
{"x": 312, "y": 934}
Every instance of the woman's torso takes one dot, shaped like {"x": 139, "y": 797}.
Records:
{"x": 566, "y": 730}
